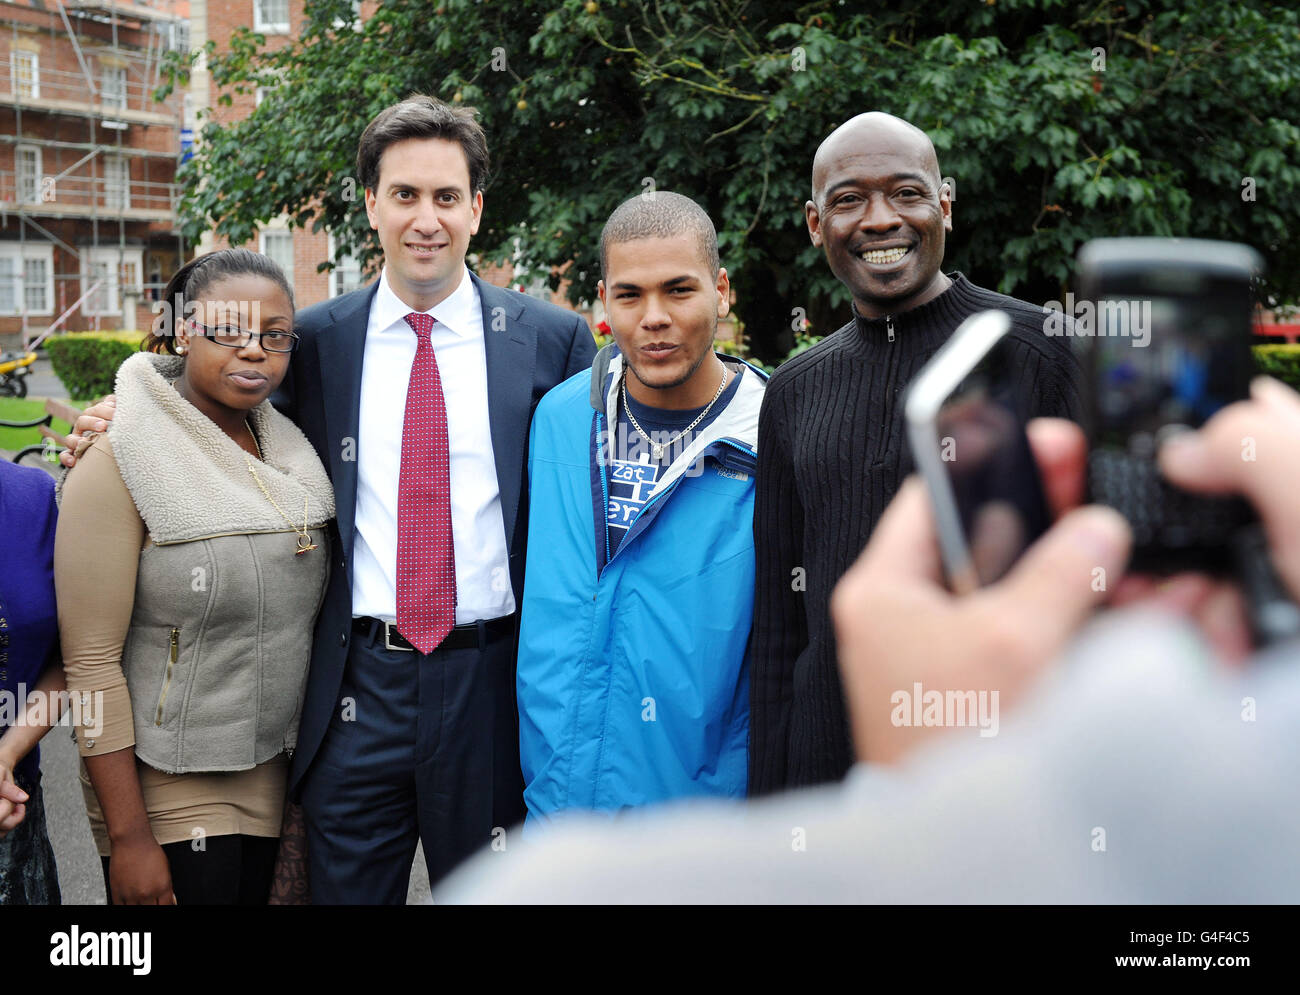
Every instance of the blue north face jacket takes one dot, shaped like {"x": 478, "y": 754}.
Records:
{"x": 633, "y": 672}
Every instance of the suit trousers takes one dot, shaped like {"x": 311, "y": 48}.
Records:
{"x": 421, "y": 746}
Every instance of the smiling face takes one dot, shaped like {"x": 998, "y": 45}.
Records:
{"x": 663, "y": 304}
{"x": 221, "y": 381}
{"x": 880, "y": 212}
{"x": 424, "y": 212}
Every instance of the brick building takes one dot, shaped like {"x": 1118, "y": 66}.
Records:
{"x": 87, "y": 163}
{"x": 88, "y": 232}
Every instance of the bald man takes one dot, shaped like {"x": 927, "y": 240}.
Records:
{"x": 831, "y": 453}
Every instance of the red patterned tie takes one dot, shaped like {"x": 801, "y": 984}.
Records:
{"x": 426, "y": 559}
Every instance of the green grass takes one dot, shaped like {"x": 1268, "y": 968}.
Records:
{"x": 25, "y": 409}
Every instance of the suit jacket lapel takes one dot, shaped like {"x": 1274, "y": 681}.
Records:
{"x": 511, "y": 348}
{"x": 341, "y": 349}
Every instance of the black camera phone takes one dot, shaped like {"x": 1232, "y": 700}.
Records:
{"x": 1163, "y": 329}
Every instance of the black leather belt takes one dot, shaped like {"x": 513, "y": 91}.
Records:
{"x": 461, "y": 637}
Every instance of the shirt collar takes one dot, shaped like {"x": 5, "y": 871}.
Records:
{"x": 455, "y": 313}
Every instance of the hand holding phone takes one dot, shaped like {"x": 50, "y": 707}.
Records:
{"x": 969, "y": 444}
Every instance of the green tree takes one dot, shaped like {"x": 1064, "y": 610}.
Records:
{"x": 1058, "y": 121}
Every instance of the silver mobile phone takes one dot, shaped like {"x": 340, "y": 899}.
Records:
{"x": 968, "y": 441}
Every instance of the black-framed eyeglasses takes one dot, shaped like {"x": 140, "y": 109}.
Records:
{"x": 234, "y": 337}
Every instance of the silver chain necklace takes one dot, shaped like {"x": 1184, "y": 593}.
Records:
{"x": 655, "y": 448}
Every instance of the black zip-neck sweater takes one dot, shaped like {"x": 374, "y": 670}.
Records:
{"x": 830, "y": 458}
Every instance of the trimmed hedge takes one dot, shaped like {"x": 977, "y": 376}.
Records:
{"x": 87, "y": 362}
{"x": 1281, "y": 361}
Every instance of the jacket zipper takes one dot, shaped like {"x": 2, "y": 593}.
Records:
{"x": 889, "y": 326}
{"x": 604, "y": 492}
{"x": 172, "y": 653}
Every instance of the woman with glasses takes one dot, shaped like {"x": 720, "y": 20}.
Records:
{"x": 190, "y": 561}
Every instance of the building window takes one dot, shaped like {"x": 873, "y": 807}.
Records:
{"x": 36, "y": 285}
{"x": 10, "y": 284}
{"x": 346, "y": 274}
{"x": 112, "y": 84}
{"x": 355, "y": 20}
{"x": 27, "y": 161}
{"x": 278, "y": 247}
{"x": 178, "y": 36}
{"x": 117, "y": 183}
{"x": 271, "y": 16}
{"x": 27, "y": 74}
{"x": 117, "y": 271}
{"x": 26, "y": 279}
{"x": 102, "y": 288}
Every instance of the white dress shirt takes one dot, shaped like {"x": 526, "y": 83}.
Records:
{"x": 478, "y": 529}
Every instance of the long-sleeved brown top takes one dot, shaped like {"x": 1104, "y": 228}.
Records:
{"x": 96, "y": 555}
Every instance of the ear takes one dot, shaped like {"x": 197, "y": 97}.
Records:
{"x": 477, "y": 208}
{"x": 814, "y": 219}
{"x": 370, "y": 208}
{"x": 945, "y": 205}
{"x": 600, "y": 292}
{"x": 182, "y": 333}
{"x": 724, "y": 293}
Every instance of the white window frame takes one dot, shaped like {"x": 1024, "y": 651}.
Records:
{"x": 32, "y": 195}
{"x": 113, "y": 259}
{"x": 356, "y": 21}
{"x": 178, "y": 36}
{"x": 16, "y": 253}
{"x": 261, "y": 19}
{"x": 110, "y": 94}
{"x": 33, "y": 60}
{"x": 351, "y": 264}
{"x": 278, "y": 233}
{"x": 111, "y": 183}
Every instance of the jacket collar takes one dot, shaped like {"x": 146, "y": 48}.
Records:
{"x": 190, "y": 480}
{"x": 737, "y": 423}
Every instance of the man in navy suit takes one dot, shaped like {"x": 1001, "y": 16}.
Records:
{"x": 405, "y": 736}
{"x": 397, "y": 744}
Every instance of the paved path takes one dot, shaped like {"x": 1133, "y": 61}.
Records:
{"x": 80, "y": 877}
{"x": 42, "y": 382}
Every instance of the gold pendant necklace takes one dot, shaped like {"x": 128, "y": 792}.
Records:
{"x": 305, "y": 545}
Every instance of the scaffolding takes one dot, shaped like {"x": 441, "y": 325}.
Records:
{"x": 97, "y": 202}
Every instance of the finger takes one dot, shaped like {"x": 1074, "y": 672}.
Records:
{"x": 1248, "y": 448}
{"x": 11, "y": 791}
{"x": 1061, "y": 451}
{"x": 1183, "y": 594}
{"x": 14, "y": 819}
{"x": 1063, "y": 577}
{"x": 87, "y": 422}
{"x": 1224, "y": 621}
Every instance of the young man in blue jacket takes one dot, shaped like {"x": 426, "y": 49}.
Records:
{"x": 633, "y": 672}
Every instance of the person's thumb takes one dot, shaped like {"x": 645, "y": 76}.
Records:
{"x": 1066, "y": 575}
